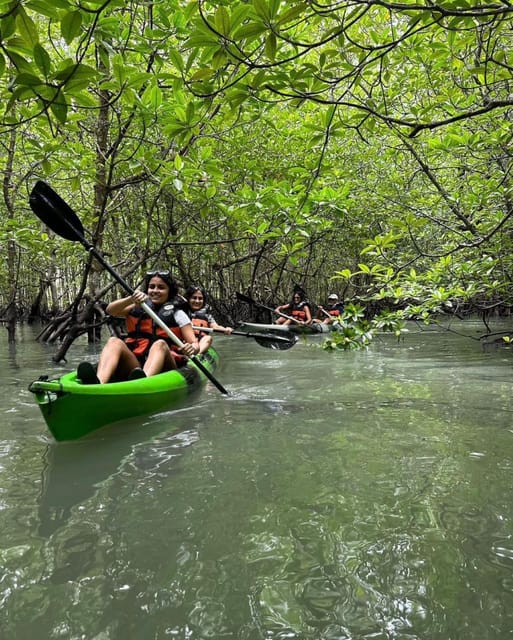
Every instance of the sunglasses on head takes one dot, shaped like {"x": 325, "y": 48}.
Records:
{"x": 150, "y": 274}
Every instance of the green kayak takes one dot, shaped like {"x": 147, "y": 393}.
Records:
{"x": 72, "y": 409}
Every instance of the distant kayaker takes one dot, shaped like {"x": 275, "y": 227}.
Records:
{"x": 201, "y": 316}
{"x": 147, "y": 349}
{"x": 333, "y": 310}
{"x": 298, "y": 309}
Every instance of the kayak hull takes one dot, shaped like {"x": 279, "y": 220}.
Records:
{"x": 72, "y": 410}
{"x": 296, "y": 329}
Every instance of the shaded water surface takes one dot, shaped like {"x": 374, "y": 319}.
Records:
{"x": 330, "y": 496}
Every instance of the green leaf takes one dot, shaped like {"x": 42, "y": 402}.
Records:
{"x": 202, "y": 74}
{"x": 176, "y": 58}
{"x": 76, "y": 72}
{"x": 48, "y": 8}
{"x": 71, "y": 24}
{"x": 249, "y": 31}
{"x": 152, "y": 97}
{"x": 222, "y": 21}
{"x": 59, "y": 108}
{"x": 236, "y": 98}
{"x": 191, "y": 111}
{"x": 176, "y": 129}
{"x": 138, "y": 79}
{"x": 28, "y": 80}
{"x": 240, "y": 14}
{"x": 19, "y": 61}
{"x": 262, "y": 9}
{"x": 42, "y": 60}
{"x": 8, "y": 26}
{"x": 202, "y": 40}
{"x": 26, "y": 27}
{"x": 270, "y": 47}
{"x": 219, "y": 59}
{"x": 292, "y": 13}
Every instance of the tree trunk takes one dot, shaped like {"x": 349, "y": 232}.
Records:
{"x": 11, "y": 244}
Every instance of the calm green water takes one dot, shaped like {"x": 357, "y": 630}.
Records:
{"x": 330, "y": 496}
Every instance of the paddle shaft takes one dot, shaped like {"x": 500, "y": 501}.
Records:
{"x": 79, "y": 236}
{"x": 283, "y": 315}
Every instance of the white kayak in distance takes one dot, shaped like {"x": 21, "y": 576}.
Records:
{"x": 301, "y": 329}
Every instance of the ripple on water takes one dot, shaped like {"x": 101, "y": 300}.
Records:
{"x": 329, "y": 497}
{"x": 503, "y": 553}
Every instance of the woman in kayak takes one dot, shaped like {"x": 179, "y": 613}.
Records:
{"x": 147, "y": 349}
{"x": 298, "y": 310}
{"x": 201, "y": 317}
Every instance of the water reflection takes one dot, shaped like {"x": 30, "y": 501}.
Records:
{"x": 70, "y": 476}
{"x": 74, "y": 471}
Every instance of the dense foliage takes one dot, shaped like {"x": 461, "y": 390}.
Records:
{"x": 356, "y": 146}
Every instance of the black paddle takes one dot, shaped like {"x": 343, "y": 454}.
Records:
{"x": 51, "y": 209}
{"x": 269, "y": 340}
{"x": 248, "y": 300}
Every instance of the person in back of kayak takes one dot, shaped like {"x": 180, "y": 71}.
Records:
{"x": 147, "y": 349}
{"x": 298, "y": 309}
{"x": 201, "y": 316}
{"x": 333, "y": 310}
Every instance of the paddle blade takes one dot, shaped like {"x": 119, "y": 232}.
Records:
{"x": 56, "y": 214}
{"x": 275, "y": 342}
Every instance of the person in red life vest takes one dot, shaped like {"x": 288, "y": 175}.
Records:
{"x": 200, "y": 315}
{"x": 333, "y": 310}
{"x": 147, "y": 349}
{"x": 298, "y": 309}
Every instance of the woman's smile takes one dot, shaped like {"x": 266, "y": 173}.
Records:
{"x": 196, "y": 302}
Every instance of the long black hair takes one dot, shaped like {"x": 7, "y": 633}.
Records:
{"x": 298, "y": 291}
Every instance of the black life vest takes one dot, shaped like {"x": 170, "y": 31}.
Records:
{"x": 333, "y": 310}
{"x": 297, "y": 311}
{"x": 142, "y": 332}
